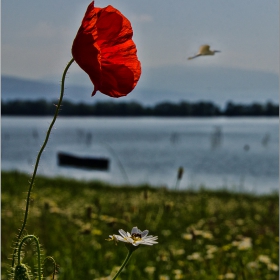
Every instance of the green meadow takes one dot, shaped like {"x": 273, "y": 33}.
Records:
{"x": 202, "y": 234}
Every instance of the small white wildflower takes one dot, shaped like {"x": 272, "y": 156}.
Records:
{"x": 273, "y": 266}
{"x": 229, "y": 275}
{"x": 194, "y": 257}
{"x": 150, "y": 269}
{"x": 178, "y": 252}
{"x": 177, "y": 271}
{"x": 197, "y": 232}
{"x": 252, "y": 265}
{"x": 207, "y": 235}
{"x": 245, "y": 244}
{"x": 136, "y": 237}
{"x": 209, "y": 256}
{"x": 187, "y": 236}
{"x": 264, "y": 259}
{"x": 211, "y": 249}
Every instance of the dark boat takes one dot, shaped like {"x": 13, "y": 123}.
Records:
{"x": 65, "y": 159}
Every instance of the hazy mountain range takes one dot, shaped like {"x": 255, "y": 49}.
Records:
{"x": 172, "y": 83}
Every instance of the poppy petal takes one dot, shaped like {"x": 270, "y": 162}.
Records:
{"x": 104, "y": 49}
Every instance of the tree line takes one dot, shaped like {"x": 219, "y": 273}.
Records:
{"x": 168, "y": 109}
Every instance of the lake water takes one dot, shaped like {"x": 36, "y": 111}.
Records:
{"x": 239, "y": 154}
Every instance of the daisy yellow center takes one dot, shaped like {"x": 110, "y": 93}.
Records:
{"x": 136, "y": 236}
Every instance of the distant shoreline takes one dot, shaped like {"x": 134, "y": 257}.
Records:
{"x": 135, "y": 109}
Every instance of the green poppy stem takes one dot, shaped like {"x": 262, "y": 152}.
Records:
{"x": 38, "y": 159}
{"x": 38, "y": 251}
{"x": 130, "y": 251}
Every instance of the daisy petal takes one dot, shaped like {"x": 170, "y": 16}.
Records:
{"x": 144, "y": 233}
{"x": 151, "y": 242}
{"x": 120, "y": 238}
{"x": 123, "y": 233}
{"x": 134, "y": 230}
{"x": 151, "y": 238}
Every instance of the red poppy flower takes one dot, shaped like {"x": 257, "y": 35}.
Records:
{"x": 104, "y": 49}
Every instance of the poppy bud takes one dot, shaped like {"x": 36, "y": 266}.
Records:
{"x": 21, "y": 272}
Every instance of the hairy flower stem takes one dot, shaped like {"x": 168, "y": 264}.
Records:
{"x": 39, "y": 156}
{"x": 130, "y": 251}
{"x": 38, "y": 251}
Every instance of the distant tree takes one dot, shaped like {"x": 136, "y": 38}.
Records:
{"x": 168, "y": 109}
{"x": 255, "y": 109}
{"x": 185, "y": 108}
{"x": 271, "y": 109}
{"x": 205, "y": 109}
{"x": 27, "y": 108}
{"x": 165, "y": 109}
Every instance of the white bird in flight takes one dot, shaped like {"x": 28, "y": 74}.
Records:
{"x": 203, "y": 50}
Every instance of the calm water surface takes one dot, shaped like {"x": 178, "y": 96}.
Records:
{"x": 240, "y": 154}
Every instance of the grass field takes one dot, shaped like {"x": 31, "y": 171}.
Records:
{"x": 201, "y": 235}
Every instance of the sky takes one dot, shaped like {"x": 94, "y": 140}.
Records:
{"x": 37, "y": 36}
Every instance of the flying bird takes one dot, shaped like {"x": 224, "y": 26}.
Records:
{"x": 204, "y": 50}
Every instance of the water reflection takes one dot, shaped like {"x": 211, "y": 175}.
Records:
{"x": 216, "y": 137}
{"x": 266, "y": 139}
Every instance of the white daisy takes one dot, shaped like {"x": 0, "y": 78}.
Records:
{"x": 136, "y": 237}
